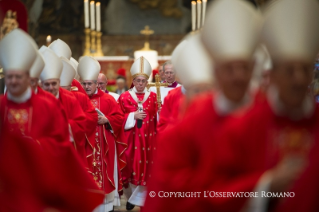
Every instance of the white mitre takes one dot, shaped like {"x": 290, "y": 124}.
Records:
{"x": 68, "y": 72}
{"x": 53, "y": 64}
{"x": 17, "y": 51}
{"x": 89, "y": 68}
{"x": 291, "y": 30}
{"x": 177, "y": 51}
{"x": 37, "y": 66}
{"x": 75, "y": 64}
{"x": 231, "y": 30}
{"x": 193, "y": 64}
{"x": 141, "y": 67}
{"x": 61, "y": 49}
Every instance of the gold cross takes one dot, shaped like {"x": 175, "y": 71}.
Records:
{"x": 147, "y": 32}
{"x": 158, "y": 85}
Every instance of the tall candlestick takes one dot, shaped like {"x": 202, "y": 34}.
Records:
{"x": 193, "y": 15}
{"x": 86, "y": 14}
{"x": 199, "y": 8}
{"x": 204, "y": 11}
{"x": 98, "y": 16}
{"x": 92, "y": 6}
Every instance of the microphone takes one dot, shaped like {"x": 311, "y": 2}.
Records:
{"x": 139, "y": 121}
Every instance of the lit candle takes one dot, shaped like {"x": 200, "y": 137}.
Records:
{"x": 92, "y": 6}
{"x": 204, "y": 11}
{"x": 86, "y": 14}
{"x": 199, "y": 7}
{"x": 193, "y": 15}
{"x": 49, "y": 39}
{"x": 98, "y": 16}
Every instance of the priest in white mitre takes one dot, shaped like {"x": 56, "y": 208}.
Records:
{"x": 139, "y": 130}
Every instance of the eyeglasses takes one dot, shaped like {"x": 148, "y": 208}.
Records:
{"x": 142, "y": 81}
{"x": 101, "y": 83}
{"x": 87, "y": 84}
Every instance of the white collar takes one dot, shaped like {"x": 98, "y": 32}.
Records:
{"x": 36, "y": 90}
{"x": 95, "y": 91}
{"x": 58, "y": 95}
{"x": 20, "y": 99}
{"x": 135, "y": 91}
{"x": 277, "y": 105}
{"x": 224, "y": 106}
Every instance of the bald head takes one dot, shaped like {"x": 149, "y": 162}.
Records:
{"x": 102, "y": 81}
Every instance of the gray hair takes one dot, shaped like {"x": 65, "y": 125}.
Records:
{"x": 168, "y": 63}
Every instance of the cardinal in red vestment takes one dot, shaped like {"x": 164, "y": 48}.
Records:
{"x": 108, "y": 155}
{"x": 186, "y": 157}
{"x": 50, "y": 78}
{"x": 138, "y": 131}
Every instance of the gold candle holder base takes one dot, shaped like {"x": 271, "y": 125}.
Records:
{"x": 93, "y": 45}
{"x": 99, "y": 52}
{"x": 87, "y": 50}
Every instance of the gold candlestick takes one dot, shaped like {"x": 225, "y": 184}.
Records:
{"x": 99, "y": 52}
{"x": 93, "y": 45}
{"x": 87, "y": 51}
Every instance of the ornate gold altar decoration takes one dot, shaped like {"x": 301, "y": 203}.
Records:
{"x": 9, "y": 23}
{"x": 158, "y": 85}
{"x": 168, "y": 8}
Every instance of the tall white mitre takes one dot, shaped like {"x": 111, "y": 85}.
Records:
{"x": 141, "y": 67}
{"x": 61, "y": 49}
{"x": 291, "y": 30}
{"x": 89, "y": 68}
{"x": 177, "y": 51}
{"x": 231, "y": 30}
{"x": 17, "y": 51}
{"x": 37, "y": 66}
{"x": 68, "y": 72}
{"x": 75, "y": 64}
{"x": 193, "y": 64}
{"x": 53, "y": 64}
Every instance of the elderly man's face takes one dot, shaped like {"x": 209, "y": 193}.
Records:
{"x": 89, "y": 86}
{"x": 292, "y": 80}
{"x": 102, "y": 82}
{"x": 169, "y": 73}
{"x": 140, "y": 83}
{"x": 233, "y": 78}
{"x": 51, "y": 85}
{"x": 17, "y": 82}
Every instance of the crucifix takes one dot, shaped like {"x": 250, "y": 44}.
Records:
{"x": 158, "y": 85}
{"x": 147, "y": 32}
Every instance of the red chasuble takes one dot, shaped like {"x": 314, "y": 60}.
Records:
{"x": 33, "y": 180}
{"x": 85, "y": 148}
{"x": 76, "y": 119}
{"x": 257, "y": 143}
{"x": 171, "y": 109}
{"x": 105, "y": 141}
{"x": 78, "y": 87}
{"x": 186, "y": 159}
{"x": 141, "y": 142}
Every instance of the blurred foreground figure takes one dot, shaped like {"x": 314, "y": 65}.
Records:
{"x": 186, "y": 153}
{"x": 273, "y": 149}
{"x": 44, "y": 170}
{"x": 194, "y": 68}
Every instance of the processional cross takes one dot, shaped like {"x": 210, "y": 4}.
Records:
{"x": 158, "y": 85}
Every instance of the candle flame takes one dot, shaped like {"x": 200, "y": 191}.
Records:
{"x": 91, "y": 2}
{"x": 193, "y": 2}
{"x": 98, "y": 4}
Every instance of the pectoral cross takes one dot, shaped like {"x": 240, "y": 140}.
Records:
{"x": 158, "y": 85}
